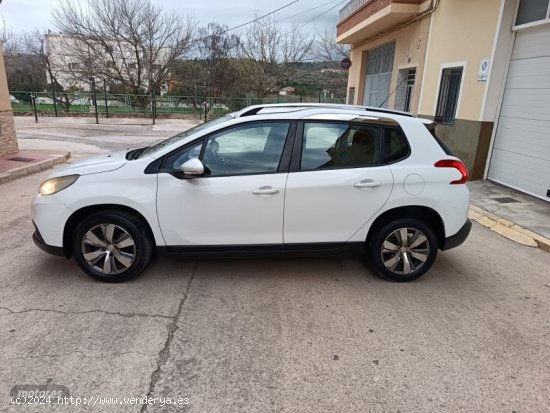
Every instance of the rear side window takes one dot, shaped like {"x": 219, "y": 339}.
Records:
{"x": 340, "y": 145}
{"x": 396, "y": 146}
{"x": 442, "y": 144}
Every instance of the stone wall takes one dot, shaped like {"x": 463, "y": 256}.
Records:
{"x": 8, "y": 140}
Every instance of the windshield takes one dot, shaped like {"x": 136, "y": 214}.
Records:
{"x": 183, "y": 135}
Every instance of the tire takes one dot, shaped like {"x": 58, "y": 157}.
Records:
{"x": 112, "y": 246}
{"x": 400, "y": 261}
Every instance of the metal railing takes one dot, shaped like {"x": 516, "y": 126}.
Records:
{"x": 351, "y": 8}
{"x": 119, "y": 105}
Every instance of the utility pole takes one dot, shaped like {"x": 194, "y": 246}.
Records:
{"x": 33, "y": 101}
{"x": 154, "y": 105}
{"x": 105, "y": 94}
{"x": 94, "y": 100}
{"x": 54, "y": 98}
{"x": 205, "y": 104}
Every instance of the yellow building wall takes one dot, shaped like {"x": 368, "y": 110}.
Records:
{"x": 410, "y": 52}
{"x": 461, "y": 31}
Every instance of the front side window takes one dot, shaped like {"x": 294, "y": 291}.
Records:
{"x": 340, "y": 145}
{"x": 183, "y": 135}
{"x": 247, "y": 149}
{"x": 178, "y": 158}
{"x": 449, "y": 91}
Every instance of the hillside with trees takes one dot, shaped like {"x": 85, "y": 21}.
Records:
{"x": 137, "y": 48}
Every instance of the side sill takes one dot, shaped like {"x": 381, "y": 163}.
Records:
{"x": 261, "y": 250}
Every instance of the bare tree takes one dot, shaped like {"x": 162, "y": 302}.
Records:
{"x": 130, "y": 44}
{"x": 33, "y": 44}
{"x": 261, "y": 41}
{"x": 327, "y": 49}
{"x": 10, "y": 41}
{"x": 214, "y": 42}
{"x": 216, "y": 47}
{"x": 274, "y": 50}
{"x": 296, "y": 46}
{"x": 22, "y": 72}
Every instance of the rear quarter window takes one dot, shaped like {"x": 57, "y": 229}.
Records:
{"x": 442, "y": 144}
{"x": 396, "y": 146}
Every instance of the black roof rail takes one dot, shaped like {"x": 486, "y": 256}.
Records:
{"x": 389, "y": 111}
{"x": 251, "y": 112}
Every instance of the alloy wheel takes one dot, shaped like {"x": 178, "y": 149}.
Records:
{"x": 109, "y": 249}
{"x": 405, "y": 250}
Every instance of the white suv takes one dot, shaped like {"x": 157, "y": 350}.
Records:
{"x": 272, "y": 178}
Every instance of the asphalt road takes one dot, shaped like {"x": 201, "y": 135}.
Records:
{"x": 274, "y": 335}
{"x": 83, "y": 136}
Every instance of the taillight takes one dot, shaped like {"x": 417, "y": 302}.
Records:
{"x": 453, "y": 163}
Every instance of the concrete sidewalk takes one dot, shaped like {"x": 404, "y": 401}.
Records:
{"x": 514, "y": 215}
{"x": 24, "y": 163}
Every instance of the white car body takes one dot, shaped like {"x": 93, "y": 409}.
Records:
{"x": 285, "y": 208}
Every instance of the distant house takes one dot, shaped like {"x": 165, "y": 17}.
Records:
{"x": 286, "y": 91}
{"x": 72, "y": 65}
{"x": 330, "y": 71}
{"x": 479, "y": 68}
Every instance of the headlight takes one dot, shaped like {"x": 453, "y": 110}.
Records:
{"x": 54, "y": 185}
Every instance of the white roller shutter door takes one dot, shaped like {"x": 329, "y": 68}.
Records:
{"x": 521, "y": 153}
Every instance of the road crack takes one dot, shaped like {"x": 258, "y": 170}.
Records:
{"x": 82, "y": 354}
{"x": 45, "y": 310}
{"x": 165, "y": 352}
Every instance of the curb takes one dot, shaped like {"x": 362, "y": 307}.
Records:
{"x": 508, "y": 229}
{"x": 34, "y": 167}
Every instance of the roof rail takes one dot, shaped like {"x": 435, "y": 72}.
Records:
{"x": 254, "y": 110}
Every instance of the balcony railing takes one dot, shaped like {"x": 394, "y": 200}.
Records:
{"x": 351, "y": 8}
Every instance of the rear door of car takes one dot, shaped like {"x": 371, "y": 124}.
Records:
{"x": 337, "y": 181}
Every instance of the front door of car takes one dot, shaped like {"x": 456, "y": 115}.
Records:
{"x": 337, "y": 182}
{"x": 240, "y": 198}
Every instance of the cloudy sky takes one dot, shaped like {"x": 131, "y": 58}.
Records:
{"x": 30, "y": 14}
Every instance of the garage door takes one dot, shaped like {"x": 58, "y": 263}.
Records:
{"x": 521, "y": 153}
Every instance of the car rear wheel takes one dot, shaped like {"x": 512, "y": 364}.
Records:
{"x": 112, "y": 246}
{"x": 402, "y": 250}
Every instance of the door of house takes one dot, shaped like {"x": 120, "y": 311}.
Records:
{"x": 378, "y": 76}
{"x": 405, "y": 89}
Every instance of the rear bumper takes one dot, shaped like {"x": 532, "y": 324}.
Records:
{"x": 458, "y": 238}
{"x": 39, "y": 242}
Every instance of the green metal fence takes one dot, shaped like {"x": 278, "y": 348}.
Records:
{"x": 138, "y": 105}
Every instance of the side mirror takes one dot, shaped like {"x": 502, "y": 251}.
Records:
{"x": 193, "y": 167}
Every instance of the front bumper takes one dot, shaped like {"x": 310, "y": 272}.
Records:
{"x": 39, "y": 242}
{"x": 458, "y": 238}
{"x": 49, "y": 215}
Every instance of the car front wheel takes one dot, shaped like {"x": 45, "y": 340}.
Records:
{"x": 112, "y": 246}
{"x": 402, "y": 250}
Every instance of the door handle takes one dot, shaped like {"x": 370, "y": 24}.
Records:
{"x": 368, "y": 183}
{"x": 265, "y": 190}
